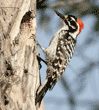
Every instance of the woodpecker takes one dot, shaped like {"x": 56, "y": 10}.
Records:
{"x": 59, "y": 52}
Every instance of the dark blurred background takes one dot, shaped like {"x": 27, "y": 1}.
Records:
{"x": 78, "y": 88}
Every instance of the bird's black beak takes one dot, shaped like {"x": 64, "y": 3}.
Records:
{"x": 60, "y": 15}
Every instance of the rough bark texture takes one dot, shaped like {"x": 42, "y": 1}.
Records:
{"x": 19, "y": 73}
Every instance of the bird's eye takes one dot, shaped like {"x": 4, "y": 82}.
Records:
{"x": 73, "y": 23}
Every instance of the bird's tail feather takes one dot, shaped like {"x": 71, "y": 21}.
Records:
{"x": 42, "y": 91}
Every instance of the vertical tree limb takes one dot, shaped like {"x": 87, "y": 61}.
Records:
{"x": 19, "y": 72}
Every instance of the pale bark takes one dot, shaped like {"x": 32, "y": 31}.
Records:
{"x": 19, "y": 72}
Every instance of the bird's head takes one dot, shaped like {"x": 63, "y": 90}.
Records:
{"x": 74, "y": 24}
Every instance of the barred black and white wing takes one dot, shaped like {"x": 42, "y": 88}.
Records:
{"x": 64, "y": 52}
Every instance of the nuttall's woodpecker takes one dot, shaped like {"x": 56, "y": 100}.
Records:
{"x": 59, "y": 52}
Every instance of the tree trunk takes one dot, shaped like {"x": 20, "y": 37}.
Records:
{"x": 19, "y": 72}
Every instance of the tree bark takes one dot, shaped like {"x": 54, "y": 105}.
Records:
{"x": 19, "y": 72}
